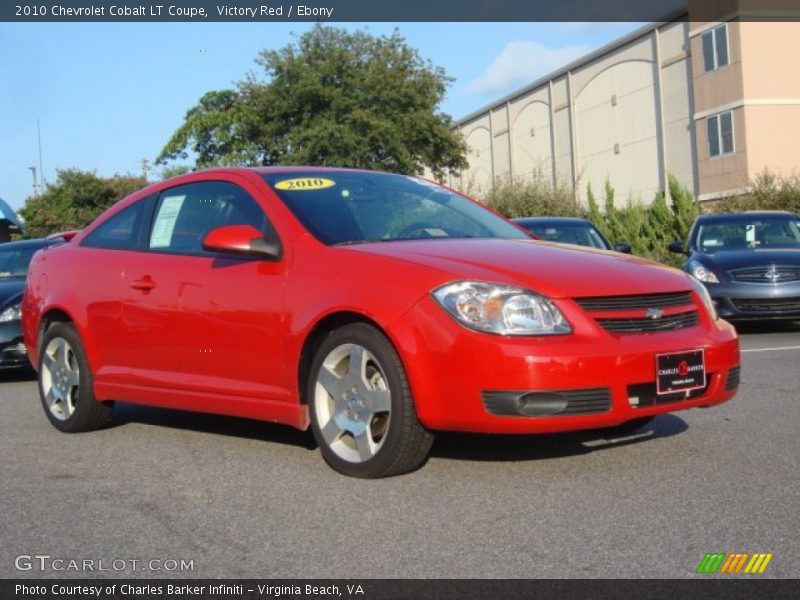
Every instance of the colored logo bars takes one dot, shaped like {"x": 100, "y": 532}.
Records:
{"x": 734, "y": 562}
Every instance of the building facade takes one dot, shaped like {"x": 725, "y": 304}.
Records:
{"x": 711, "y": 102}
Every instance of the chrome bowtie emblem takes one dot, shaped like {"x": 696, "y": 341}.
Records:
{"x": 654, "y": 313}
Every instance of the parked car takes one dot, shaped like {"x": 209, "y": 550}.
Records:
{"x": 570, "y": 230}
{"x": 750, "y": 263}
{"x": 14, "y": 260}
{"x": 374, "y": 308}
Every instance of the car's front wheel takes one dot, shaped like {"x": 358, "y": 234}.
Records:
{"x": 65, "y": 382}
{"x": 362, "y": 411}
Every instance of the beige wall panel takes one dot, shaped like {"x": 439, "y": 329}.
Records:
{"x": 769, "y": 55}
{"x": 722, "y": 86}
{"x": 631, "y": 124}
{"x": 478, "y": 177}
{"x": 559, "y": 91}
{"x": 639, "y": 50}
{"x": 675, "y": 90}
{"x": 502, "y": 157}
{"x": 532, "y": 141}
{"x": 773, "y": 135}
{"x": 519, "y": 104}
{"x": 680, "y": 158}
{"x": 674, "y": 39}
{"x": 563, "y": 148}
{"x": 499, "y": 122}
{"x": 721, "y": 173}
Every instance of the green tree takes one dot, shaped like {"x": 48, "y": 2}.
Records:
{"x": 684, "y": 207}
{"x": 173, "y": 171}
{"x": 615, "y": 225}
{"x": 595, "y": 215}
{"x": 333, "y": 97}
{"x": 74, "y": 200}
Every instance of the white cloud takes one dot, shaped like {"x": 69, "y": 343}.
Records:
{"x": 520, "y": 63}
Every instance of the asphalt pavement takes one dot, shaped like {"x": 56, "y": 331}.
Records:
{"x": 241, "y": 498}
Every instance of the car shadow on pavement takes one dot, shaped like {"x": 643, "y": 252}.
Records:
{"x": 745, "y": 327}
{"x": 17, "y": 374}
{"x": 125, "y": 413}
{"x": 506, "y": 448}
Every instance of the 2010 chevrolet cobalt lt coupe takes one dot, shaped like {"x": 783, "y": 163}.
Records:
{"x": 374, "y": 308}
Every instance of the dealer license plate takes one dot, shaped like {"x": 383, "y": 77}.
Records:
{"x": 680, "y": 371}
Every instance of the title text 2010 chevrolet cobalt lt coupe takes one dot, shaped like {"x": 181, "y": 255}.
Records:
{"x": 374, "y": 308}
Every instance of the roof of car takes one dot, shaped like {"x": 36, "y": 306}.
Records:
{"x": 35, "y": 243}
{"x": 550, "y": 220}
{"x": 745, "y": 216}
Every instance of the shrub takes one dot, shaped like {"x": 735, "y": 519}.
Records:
{"x": 769, "y": 191}
{"x": 648, "y": 229}
{"x": 532, "y": 196}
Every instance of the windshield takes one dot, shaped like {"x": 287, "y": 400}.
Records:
{"x": 579, "y": 234}
{"x": 744, "y": 234}
{"x": 14, "y": 263}
{"x": 342, "y": 207}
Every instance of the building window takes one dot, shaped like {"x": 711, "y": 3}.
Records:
{"x": 715, "y": 47}
{"x": 720, "y": 134}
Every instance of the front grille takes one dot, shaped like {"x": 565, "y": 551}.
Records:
{"x": 645, "y": 394}
{"x": 670, "y": 323}
{"x": 643, "y": 302}
{"x": 767, "y": 304}
{"x": 777, "y": 274}
{"x": 734, "y": 376}
{"x": 547, "y": 403}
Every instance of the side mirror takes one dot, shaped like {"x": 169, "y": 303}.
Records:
{"x": 244, "y": 240}
{"x": 678, "y": 247}
{"x": 623, "y": 247}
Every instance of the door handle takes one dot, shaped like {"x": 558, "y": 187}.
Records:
{"x": 144, "y": 284}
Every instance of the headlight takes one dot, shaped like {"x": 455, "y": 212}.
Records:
{"x": 12, "y": 313}
{"x": 705, "y": 297}
{"x": 501, "y": 309}
{"x": 700, "y": 273}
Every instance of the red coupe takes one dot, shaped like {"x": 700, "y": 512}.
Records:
{"x": 374, "y": 308}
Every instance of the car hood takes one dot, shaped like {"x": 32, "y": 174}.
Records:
{"x": 726, "y": 260}
{"x": 11, "y": 290}
{"x": 551, "y": 269}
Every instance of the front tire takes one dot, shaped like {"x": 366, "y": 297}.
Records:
{"x": 362, "y": 411}
{"x": 65, "y": 383}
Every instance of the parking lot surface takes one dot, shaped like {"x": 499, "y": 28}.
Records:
{"x": 248, "y": 499}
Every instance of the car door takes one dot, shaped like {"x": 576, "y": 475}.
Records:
{"x": 199, "y": 322}
{"x": 101, "y": 262}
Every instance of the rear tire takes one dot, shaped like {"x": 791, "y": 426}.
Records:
{"x": 66, "y": 383}
{"x": 362, "y": 411}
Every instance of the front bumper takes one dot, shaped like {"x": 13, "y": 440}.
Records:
{"x": 458, "y": 376}
{"x": 756, "y": 301}
{"x": 12, "y": 346}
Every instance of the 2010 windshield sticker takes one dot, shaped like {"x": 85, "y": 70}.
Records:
{"x": 305, "y": 184}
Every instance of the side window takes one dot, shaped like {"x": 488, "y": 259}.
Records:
{"x": 185, "y": 214}
{"x": 122, "y": 231}
{"x": 715, "y": 47}
{"x": 719, "y": 129}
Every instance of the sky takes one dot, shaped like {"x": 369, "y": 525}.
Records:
{"x": 107, "y": 95}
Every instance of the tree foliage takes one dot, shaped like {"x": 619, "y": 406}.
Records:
{"x": 74, "y": 200}
{"x": 333, "y": 97}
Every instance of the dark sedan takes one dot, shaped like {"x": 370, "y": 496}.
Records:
{"x": 750, "y": 263}
{"x": 14, "y": 260}
{"x": 570, "y": 230}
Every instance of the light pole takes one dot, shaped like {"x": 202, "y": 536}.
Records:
{"x": 35, "y": 184}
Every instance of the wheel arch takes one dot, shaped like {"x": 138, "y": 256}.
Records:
{"x": 317, "y": 333}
